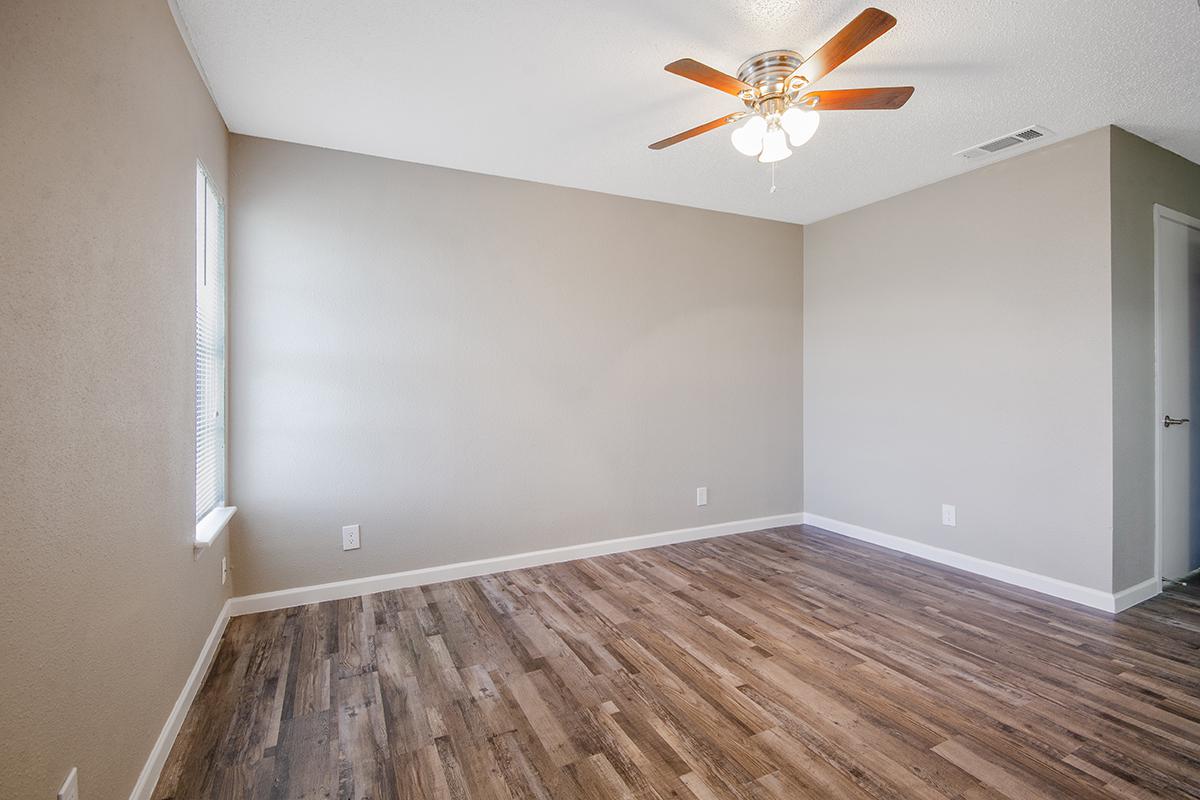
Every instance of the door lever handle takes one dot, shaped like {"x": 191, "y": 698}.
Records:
{"x": 1168, "y": 421}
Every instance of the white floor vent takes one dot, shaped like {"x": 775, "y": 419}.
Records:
{"x": 1006, "y": 142}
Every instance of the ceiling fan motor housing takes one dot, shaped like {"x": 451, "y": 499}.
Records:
{"x": 767, "y": 73}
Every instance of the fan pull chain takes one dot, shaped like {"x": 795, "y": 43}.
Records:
{"x": 773, "y": 186}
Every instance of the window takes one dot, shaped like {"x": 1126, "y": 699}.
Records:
{"x": 211, "y": 514}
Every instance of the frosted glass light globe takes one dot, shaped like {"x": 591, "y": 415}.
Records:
{"x": 774, "y": 146}
{"x": 800, "y": 124}
{"x": 748, "y": 139}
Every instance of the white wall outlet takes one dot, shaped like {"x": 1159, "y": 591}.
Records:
{"x": 949, "y": 516}
{"x": 702, "y": 496}
{"x": 70, "y": 787}
{"x": 350, "y": 538}
{"x": 224, "y": 570}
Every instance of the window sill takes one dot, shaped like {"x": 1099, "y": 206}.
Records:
{"x": 209, "y": 529}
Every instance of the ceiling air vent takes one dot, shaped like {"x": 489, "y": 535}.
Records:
{"x": 1006, "y": 142}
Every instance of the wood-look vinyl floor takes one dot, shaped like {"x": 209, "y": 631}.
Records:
{"x": 790, "y": 663}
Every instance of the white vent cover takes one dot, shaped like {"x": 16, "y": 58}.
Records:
{"x": 1010, "y": 140}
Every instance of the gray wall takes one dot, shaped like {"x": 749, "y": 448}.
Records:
{"x": 1142, "y": 174}
{"x": 471, "y": 366}
{"x": 103, "y": 609}
{"x": 957, "y": 350}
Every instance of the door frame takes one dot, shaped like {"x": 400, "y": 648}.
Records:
{"x": 1161, "y": 214}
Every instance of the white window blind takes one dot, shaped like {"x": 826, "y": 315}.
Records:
{"x": 210, "y": 346}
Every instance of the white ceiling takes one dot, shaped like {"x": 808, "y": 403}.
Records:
{"x": 570, "y": 92}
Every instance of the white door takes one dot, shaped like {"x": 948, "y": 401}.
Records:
{"x": 1178, "y": 256}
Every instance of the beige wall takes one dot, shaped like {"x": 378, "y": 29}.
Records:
{"x": 1142, "y": 174}
{"x": 471, "y": 366}
{"x": 957, "y": 349}
{"x": 102, "y": 608}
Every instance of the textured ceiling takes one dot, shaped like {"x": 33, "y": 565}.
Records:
{"x": 570, "y": 92}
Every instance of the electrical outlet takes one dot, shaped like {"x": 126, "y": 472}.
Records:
{"x": 70, "y": 787}
{"x": 224, "y": 570}
{"x": 949, "y": 516}
{"x": 702, "y": 496}
{"x": 350, "y": 538}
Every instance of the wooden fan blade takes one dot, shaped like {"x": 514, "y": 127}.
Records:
{"x": 883, "y": 99}
{"x": 862, "y": 30}
{"x": 696, "y": 131}
{"x": 702, "y": 73}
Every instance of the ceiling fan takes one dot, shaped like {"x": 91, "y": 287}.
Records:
{"x": 773, "y": 84}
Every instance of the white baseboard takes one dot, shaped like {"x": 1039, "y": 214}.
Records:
{"x": 1064, "y": 590}
{"x": 166, "y": 737}
{"x": 285, "y": 598}
{"x": 1128, "y": 598}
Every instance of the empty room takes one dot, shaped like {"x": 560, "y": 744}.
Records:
{"x": 576, "y": 400}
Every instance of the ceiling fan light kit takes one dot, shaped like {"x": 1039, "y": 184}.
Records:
{"x": 773, "y": 86}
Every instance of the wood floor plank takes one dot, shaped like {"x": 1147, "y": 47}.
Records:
{"x": 778, "y": 665}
